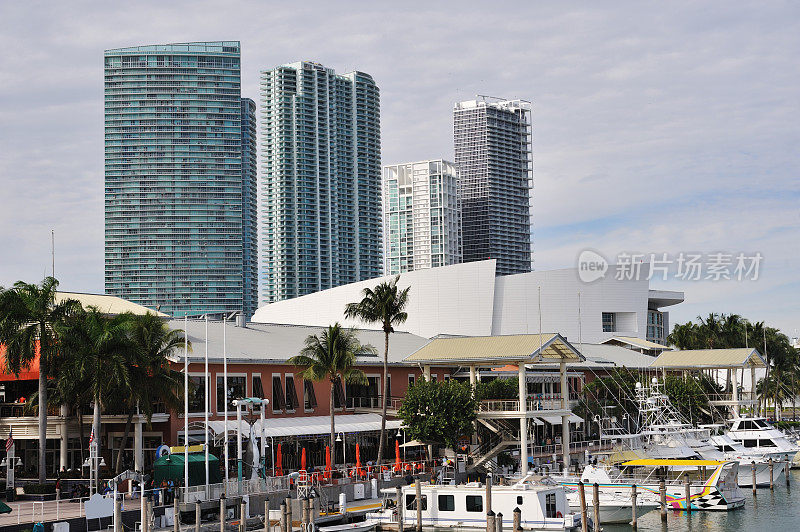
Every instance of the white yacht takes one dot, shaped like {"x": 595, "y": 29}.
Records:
{"x": 463, "y": 507}
{"x": 756, "y": 433}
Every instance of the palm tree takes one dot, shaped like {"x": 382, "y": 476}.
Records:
{"x": 385, "y": 305}
{"x": 152, "y": 380}
{"x": 100, "y": 349}
{"x": 332, "y": 356}
{"x": 29, "y": 316}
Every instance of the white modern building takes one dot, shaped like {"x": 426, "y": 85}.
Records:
{"x": 421, "y": 216}
{"x": 470, "y": 300}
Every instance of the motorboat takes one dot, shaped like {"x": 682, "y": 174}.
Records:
{"x": 758, "y": 433}
{"x": 463, "y": 507}
{"x": 713, "y": 484}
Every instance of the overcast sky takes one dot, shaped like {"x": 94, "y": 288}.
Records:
{"x": 658, "y": 127}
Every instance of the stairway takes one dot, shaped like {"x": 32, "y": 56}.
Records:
{"x": 499, "y": 437}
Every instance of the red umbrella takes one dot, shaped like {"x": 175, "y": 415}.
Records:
{"x": 358, "y": 460}
{"x": 397, "y": 465}
{"x": 279, "y": 462}
{"x": 328, "y": 461}
{"x": 303, "y": 460}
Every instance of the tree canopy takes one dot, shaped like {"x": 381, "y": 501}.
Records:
{"x": 439, "y": 412}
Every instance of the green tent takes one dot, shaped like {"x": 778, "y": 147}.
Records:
{"x": 170, "y": 467}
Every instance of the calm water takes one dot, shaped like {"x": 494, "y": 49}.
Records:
{"x": 770, "y": 512}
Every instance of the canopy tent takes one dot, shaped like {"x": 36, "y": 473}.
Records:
{"x": 413, "y": 443}
{"x": 170, "y": 467}
{"x": 305, "y": 425}
{"x": 695, "y": 359}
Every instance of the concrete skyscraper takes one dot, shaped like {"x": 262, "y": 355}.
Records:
{"x": 492, "y": 140}
{"x": 421, "y": 216}
{"x": 321, "y": 179}
{"x": 179, "y": 178}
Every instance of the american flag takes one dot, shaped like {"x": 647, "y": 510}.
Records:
{"x": 91, "y": 437}
{"x": 9, "y": 441}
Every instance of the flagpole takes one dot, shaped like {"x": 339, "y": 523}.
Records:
{"x": 225, "y": 387}
{"x": 205, "y": 428}
{"x": 185, "y": 404}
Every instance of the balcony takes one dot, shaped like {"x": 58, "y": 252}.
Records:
{"x": 373, "y": 404}
{"x": 536, "y": 404}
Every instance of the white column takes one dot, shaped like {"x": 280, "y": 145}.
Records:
{"x": 564, "y": 417}
{"x": 473, "y": 376}
{"x": 753, "y": 396}
{"x": 426, "y": 372}
{"x": 138, "y": 446}
{"x": 735, "y": 397}
{"x": 523, "y": 419}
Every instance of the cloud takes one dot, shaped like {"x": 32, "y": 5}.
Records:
{"x": 659, "y": 128}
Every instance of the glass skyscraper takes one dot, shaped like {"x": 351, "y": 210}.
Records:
{"x": 179, "y": 178}
{"x": 421, "y": 216}
{"x": 321, "y": 179}
{"x": 492, "y": 141}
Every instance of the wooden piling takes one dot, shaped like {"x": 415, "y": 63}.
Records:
{"x": 753, "y": 476}
{"x": 117, "y": 515}
{"x": 771, "y": 474}
{"x": 197, "y": 516}
{"x": 584, "y": 515}
{"x": 242, "y": 517}
{"x": 517, "y": 524}
{"x": 289, "y": 519}
{"x": 596, "y": 505}
{"x": 176, "y": 514}
{"x": 662, "y": 490}
{"x": 634, "y": 524}
{"x": 223, "y": 509}
{"x": 400, "y": 507}
{"x": 283, "y": 516}
{"x": 266, "y": 515}
{"x": 786, "y": 470}
{"x": 688, "y": 497}
{"x": 498, "y": 522}
{"x": 490, "y": 524}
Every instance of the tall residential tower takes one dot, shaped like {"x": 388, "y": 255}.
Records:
{"x": 493, "y": 155}
{"x": 321, "y": 179}
{"x": 421, "y": 216}
{"x": 179, "y": 178}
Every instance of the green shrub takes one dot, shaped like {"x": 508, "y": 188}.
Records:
{"x": 39, "y": 489}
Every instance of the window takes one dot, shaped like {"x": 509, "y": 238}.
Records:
{"x": 236, "y": 390}
{"x": 197, "y": 394}
{"x": 388, "y": 397}
{"x": 447, "y": 503}
{"x": 291, "y": 394}
{"x": 411, "y": 502}
{"x": 766, "y": 442}
{"x": 474, "y": 503}
{"x": 761, "y": 423}
{"x": 609, "y": 322}
{"x": 411, "y": 380}
{"x": 519, "y": 500}
{"x": 258, "y": 388}
{"x": 750, "y": 443}
{"x": 277, "y": 394}
{"x": 309, "y": 397}
{"x": 550, "y": 505}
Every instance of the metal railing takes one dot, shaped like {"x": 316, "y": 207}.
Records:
{"x": 233, "y": 487}
{"x": 574, "y": 446}
{"x": 537, "y": 402}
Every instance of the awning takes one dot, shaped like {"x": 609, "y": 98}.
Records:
{"x": 556, "y": 420}
{"x": 413, "y": 443}
{"x": 308, "y": 425}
